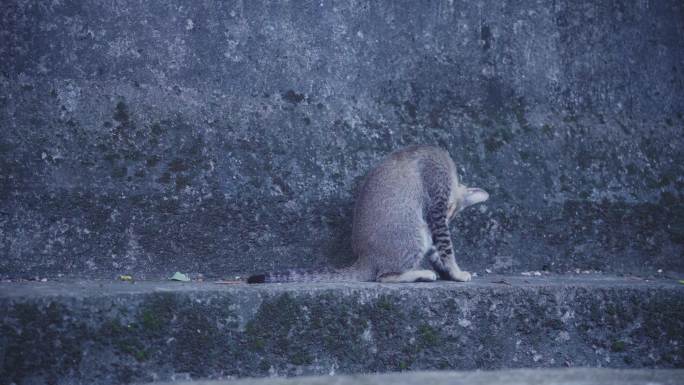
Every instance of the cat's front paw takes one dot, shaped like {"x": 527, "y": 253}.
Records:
{"x": 461, "y": 276}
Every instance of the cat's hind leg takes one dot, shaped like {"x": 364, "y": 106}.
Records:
{"x": 408, "y": 276}
{"x": 443, "y": 260}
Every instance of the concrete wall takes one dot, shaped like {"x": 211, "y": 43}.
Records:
{"x": 225, "y": 137}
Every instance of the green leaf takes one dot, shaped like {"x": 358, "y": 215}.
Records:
{"x": 180, "y": 277}
{"x": 681, "y": 281}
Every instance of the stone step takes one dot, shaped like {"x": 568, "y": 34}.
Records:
{"x": 103, "y": 332}
{"x": 574, "y": 376}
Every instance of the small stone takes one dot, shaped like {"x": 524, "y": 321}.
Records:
{"x": 178, "y": 276}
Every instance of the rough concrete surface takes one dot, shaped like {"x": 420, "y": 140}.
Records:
{"x": 222, "y": 137}
{"x": 581, "y": 376}
{"x": 91, "y": 332}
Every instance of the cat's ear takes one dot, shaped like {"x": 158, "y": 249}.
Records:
{"x": 473, "y": 195}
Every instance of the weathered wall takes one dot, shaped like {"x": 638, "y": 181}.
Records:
{"x": 221, "y": 137}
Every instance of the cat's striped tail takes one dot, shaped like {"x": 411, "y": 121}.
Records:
{"x": 350, "y": 274}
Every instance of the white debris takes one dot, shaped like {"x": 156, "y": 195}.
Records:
{"x": 531, "y": 273}
{"x": 464, "y": 323}
{"x": 563, "y": 336}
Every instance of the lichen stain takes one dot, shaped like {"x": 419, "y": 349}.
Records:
{"x": 293, "y": 97}
{"x": 485, "y": 37}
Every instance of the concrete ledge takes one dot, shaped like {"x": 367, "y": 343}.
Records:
{"x": 575, "y": 376}
{"x": 114, "y": 332}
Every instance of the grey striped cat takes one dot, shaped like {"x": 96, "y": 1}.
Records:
{"x": 401, "y": 231}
